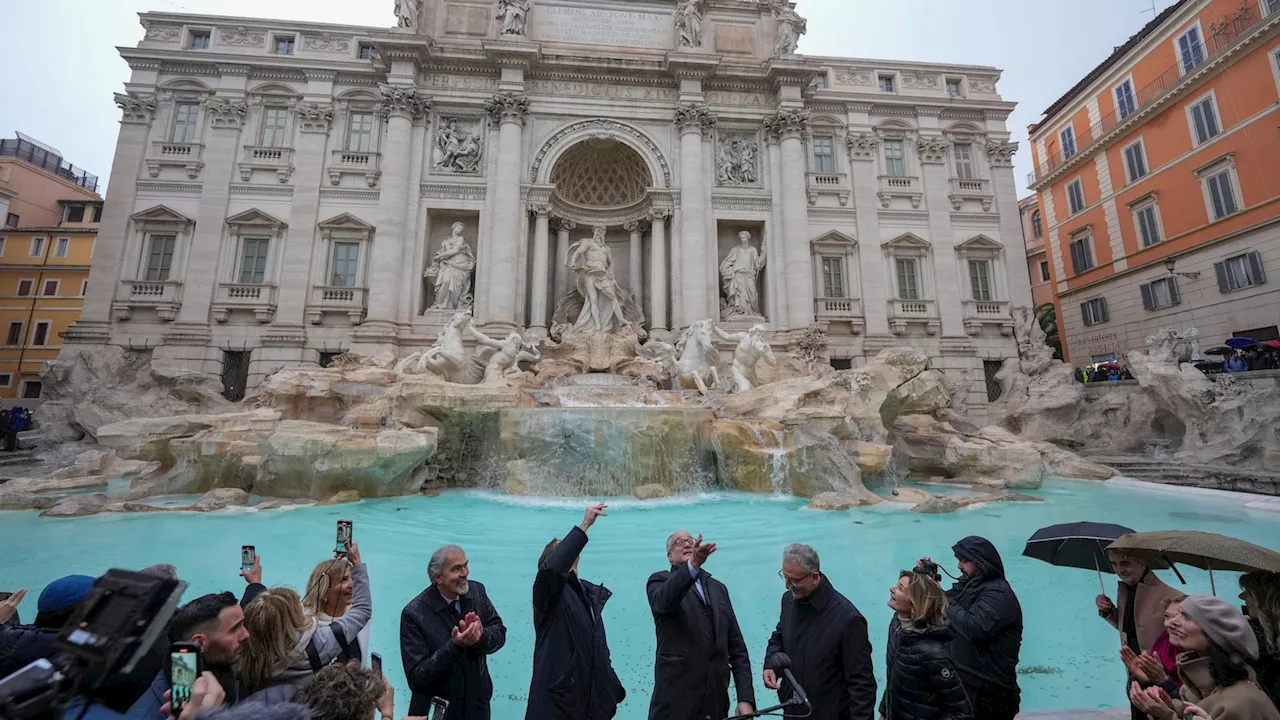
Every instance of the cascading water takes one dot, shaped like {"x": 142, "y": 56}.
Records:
{"x": 773, "y": 443}
{"x": 608, "y": 451}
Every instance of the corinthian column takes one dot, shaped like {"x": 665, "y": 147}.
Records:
{"x": 500, "y": 254}
{"x": 791, "y": 127}
{"x": 658, "y": 270}
{"x": 635, "y": 264}
{"x": 400, "y": 105}
{"x": 562, "y": 273}
{"x": 694, "y": 122}
{"x": 538, "y": 301}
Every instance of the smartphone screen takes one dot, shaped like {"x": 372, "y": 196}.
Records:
{"x": 439, "y": 708}
{"x": 248, "y": 557}
{"x": 376, "y": 661}
{"x": 5, "y": 595}
{"x": 344, "y": 535}
{"x": 184, "y": 668}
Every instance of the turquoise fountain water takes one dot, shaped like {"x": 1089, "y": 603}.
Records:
{"x": 1069, "y": 659}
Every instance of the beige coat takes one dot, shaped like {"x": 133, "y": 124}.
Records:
{"x": 1148, "y": 611}
{"x": 1242, "y": 701}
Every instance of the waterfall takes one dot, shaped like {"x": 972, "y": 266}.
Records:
{"x": 773, "y": 443}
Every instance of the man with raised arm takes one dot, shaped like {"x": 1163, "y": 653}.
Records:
{"x": 573, "y": 677}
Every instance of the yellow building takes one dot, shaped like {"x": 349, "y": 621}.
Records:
{"x": 43, "y": 275}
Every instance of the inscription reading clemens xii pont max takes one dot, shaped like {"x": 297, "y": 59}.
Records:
{"x": 596, "y": 26}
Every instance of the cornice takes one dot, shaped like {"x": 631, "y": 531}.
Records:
{"x": 349, "y": 194}
{"x": 175, "y": 188}
{"x": 260, "y": 191}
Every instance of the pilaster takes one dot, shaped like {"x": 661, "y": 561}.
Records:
{"x": 308, "y": 177}
{"x": 500, "y": 256}
{"x": 875, "y": 286}
{"x": 937, "y": 188}
{"x": 694, "y": 122}
{"x": 791, "y": 127}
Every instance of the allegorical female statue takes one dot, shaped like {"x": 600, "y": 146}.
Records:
{"x": 738, "y": 278}
{"x": 513, "y": 14}
{"x": 689, "y": 23}
{"x": 451, "y": 268}
{"x": 407, "y": 14}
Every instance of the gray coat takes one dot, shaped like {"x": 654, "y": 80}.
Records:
{"x": 326, "y": 645}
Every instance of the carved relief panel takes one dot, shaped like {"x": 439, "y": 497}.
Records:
{"x": 457, "y": 145}
{"x": 737, "y": 158}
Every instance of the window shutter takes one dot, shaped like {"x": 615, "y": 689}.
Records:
{"x": 1148, "y": 299}
{"x": 1174, "y": 297}
{"x": 1102, "y": 310}
{"x": 1075, "y": 258}
{"x": 1220, "y": 269}
{"x": 1255, "y": 268}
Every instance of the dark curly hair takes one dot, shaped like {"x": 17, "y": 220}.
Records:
{"x": 342, "y": 692}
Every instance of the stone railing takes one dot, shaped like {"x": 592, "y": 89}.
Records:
{"x": 355, "y": 162}
{"x": 259, "y": 298}
{"x": 839, "y": 310}
{"x": 971, "y": 189}
{"x": 176, "y": 154}
{"x": 904, "y": 312}
{"x": 907, "y": 186}
{"x": 164, "y": 296}
{"x": 277, "y": 159}
{"x": 829, "y": 184}
{"x": 978, "y": 313}
{"x": 353, "y": 301}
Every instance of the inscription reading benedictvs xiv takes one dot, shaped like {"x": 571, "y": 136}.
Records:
{"x": 595, "y": 26}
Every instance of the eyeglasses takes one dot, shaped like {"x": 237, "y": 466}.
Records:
{"x": 790, "y": 580}
{"x": 682, "y": 542}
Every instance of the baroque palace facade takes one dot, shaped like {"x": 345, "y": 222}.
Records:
{"x": 283, "y": 191}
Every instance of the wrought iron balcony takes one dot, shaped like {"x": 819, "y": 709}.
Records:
{"x": 353, "y": 301}
{"x": 258, "y": 298}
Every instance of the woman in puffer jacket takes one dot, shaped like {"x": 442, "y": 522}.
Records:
{"x": 920, "y": 680}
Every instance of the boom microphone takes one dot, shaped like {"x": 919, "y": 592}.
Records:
{"x": 781, "y": 662}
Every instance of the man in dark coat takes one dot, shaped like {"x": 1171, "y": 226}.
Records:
{"x": 699, "y": 641}
{"x": 573, "y": 677}
{"x": 826, "y": 639}
{"x": 986, "y": 620}
{"x": 446, "y": 636}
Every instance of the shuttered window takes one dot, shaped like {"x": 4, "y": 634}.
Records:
{"x": 1125, "y": 103}
{"x": 1161, "y": 293}
{"x": 1148, "y": 228}
{"x": 1075, "y": 196}
{"x": 1204, "y": 121}
{"x": 1135, "y": 161}
{"x": 1094, "y": 312}
{"x": 1240, "y": 272}
{"x": 1222, "y": 195}
{"x": 1190, "y": 50}
{"x": 1081, "y": 254}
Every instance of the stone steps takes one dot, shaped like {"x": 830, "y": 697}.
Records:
{"x": 1213, "y": 477}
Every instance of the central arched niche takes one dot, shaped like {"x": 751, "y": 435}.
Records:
{"x": 599, "y": 173}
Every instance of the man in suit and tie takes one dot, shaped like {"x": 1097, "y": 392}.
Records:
{"x": 699, "y": 642}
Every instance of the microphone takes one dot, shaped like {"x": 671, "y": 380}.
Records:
{"x": 781, "y": 662}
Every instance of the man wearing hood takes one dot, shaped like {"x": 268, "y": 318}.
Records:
{"x": 573, "y": 677}
{"x": 825, "y": 638}
{"x": 699, "y": 642}
{"x": 986, "y": 619}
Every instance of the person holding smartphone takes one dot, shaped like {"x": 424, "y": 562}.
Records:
{"x": 286, "y": 648}
{"x": 573, "y": 676}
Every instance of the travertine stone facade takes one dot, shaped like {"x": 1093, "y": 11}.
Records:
{"x": 285, "y": 188}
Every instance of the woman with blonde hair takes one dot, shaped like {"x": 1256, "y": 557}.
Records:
{"x": 920, "y": 680}
{"x": 286, "y": 647}
{"x": 329, "y": 591}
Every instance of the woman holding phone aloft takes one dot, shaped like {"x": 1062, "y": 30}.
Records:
{"x": 285, "y": 647}
{"x": 329, "y": 591}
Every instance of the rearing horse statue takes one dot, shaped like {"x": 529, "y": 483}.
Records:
{"x": 696, "y": 358}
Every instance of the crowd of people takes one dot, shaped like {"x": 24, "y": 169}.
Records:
{"x": 13, "y": 421}
{"x": 272, "y": 654}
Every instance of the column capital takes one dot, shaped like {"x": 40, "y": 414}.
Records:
{"x": 565, "y": 224}
{"x": 540, "y": 209}
{"x": 933, "y": 151}
{"x": 508, "y": 107}
{"x": 136, "y": 108}
{"x": 402, "y": 101}
{"x": 314, "y": 117}
{"x": 632, "y": 227}
{"x": 787, "y": 124}
{"x": 657, "y": 215}
{"x": 225, "y": 113}
{"x": 693, "y": 118}
{"x": 862, "y": 146}
{"x": 1001, "y": 153}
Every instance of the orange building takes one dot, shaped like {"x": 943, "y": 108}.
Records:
{"x": 1037, "y": 260}
{"x": 52, "y": 212}
{"x": 1158, "y": 180}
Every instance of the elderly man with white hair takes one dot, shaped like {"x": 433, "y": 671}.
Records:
{"x": 446, "y": 635}
{"x": 822, "y": 638}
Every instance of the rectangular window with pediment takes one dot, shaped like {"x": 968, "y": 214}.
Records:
{"x": 253, "y": 260}
{"x": 833, "y": 277}
{"x": 980, "y": 280}
{"x": 160, "y": 257}
{"x": 895, "y": 158}
{"x": 908, "y": 271}
{"x": 346, "y": 264}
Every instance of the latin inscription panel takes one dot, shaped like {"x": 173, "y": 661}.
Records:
{"x": 599, "y": 26}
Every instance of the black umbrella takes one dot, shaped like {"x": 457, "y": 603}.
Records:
{"x": 1219, "y": 350}
{"x": 1080, "y": 545}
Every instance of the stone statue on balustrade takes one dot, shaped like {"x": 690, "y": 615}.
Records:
{"x": 751, "y": 348}
{"x": 597, "y": 302}
{"x": 739, "y": 279}
{"x": 457, "y": 147}
{"x": 790, "y": 27}
{"x": 451, "y": 269}
{"x": 448, "y": 358}
{"x": 689, "y": 23}
{"x": 514, "y": 15}
{"x": 407, "y": 13}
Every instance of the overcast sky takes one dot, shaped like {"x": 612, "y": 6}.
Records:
{"x": 63, "y": 66}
